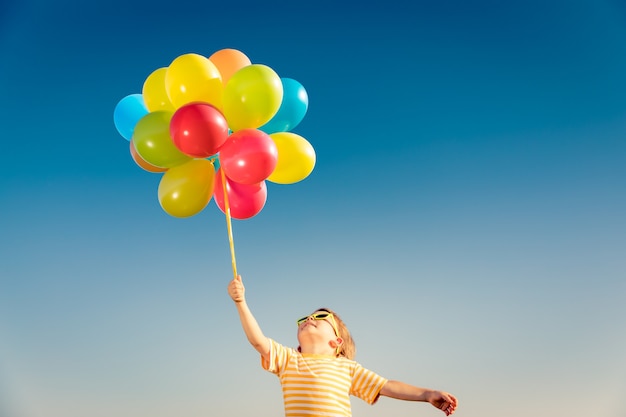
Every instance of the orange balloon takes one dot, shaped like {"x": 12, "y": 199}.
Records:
{"x": 229, "y": 61}
{"x": 142, "y": 162}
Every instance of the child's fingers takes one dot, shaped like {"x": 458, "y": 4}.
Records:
{"x": 237, "y": 283}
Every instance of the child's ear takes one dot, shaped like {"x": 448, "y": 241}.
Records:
{"x": 336, "y": 343}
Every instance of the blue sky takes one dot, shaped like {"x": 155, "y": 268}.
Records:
{"x": 466, "y": 215}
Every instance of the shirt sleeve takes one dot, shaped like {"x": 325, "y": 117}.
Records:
{"x": 366, "y": 384}
{"x": 278, "y": 358}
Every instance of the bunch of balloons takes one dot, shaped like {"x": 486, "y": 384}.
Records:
{"x": 215, "y": 125}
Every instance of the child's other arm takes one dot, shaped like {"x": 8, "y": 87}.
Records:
{"x": 442, "y": 400}
{"x": 251, "y": 328}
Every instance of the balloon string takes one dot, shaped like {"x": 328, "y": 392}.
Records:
{"x": 229, "y": 225}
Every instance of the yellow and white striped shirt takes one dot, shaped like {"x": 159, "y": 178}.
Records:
{"x": 320, "y": 385}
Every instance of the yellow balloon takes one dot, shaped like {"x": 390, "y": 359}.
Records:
{"x": 192, "y": 77}
{"x": 296, "y": 158}
{"x": 185, "y": 190}
{"x": 154, "y": 93}
{"x": 252, "y": 97}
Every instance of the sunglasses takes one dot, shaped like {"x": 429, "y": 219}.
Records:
{"x": 323, "y": 315}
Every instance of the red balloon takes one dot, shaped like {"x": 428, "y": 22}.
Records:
{"x": 249, "y": 156}
{"x": 244, "y": 200}
{"x": 198, "y": 129}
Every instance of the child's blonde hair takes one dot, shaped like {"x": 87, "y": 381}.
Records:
{"x": 347, "y": 348}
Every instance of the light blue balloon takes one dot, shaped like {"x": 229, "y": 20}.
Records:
{"x": 292, "y": 109}
{"x": 127, "y": 113}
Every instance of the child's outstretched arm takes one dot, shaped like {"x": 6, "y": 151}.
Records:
{"x": 442, "y": 400}
{"x": 255, "y": 335}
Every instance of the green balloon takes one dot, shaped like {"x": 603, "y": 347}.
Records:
{"x": 252, "y": 97}
{"x": 153, "y": 142}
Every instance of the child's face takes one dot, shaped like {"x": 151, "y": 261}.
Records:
{"x": 318, "y": 326}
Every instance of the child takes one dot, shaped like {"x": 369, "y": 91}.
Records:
{"x": 318, "y": 377}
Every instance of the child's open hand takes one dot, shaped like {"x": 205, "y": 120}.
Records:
{"x": 444, "y": 401}
{"x": 236, "y": 290}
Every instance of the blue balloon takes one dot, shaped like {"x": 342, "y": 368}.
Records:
{"x": 215, "y": 159}
{"x": 127, "y": 113}
{"x": 292, "y": 109}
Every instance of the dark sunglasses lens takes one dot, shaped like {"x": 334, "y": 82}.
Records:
{"x": 318, "y": 316}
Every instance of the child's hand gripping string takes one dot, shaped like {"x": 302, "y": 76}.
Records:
{"x": 236, "y": 290}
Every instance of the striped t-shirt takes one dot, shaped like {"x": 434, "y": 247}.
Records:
{"x": 319, "y": 385}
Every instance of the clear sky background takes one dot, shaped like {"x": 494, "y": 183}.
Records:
{"x": 466, "y": 216}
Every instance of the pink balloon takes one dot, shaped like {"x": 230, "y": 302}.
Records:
{"x": 198, "y": 129}
{"x": 249, "y": 156}
{"x": 244, "y": 200}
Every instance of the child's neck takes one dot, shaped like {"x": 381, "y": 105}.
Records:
{"x": 317, "y": 349}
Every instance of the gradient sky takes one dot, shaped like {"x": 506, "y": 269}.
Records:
{"x": 466, "y": 216}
